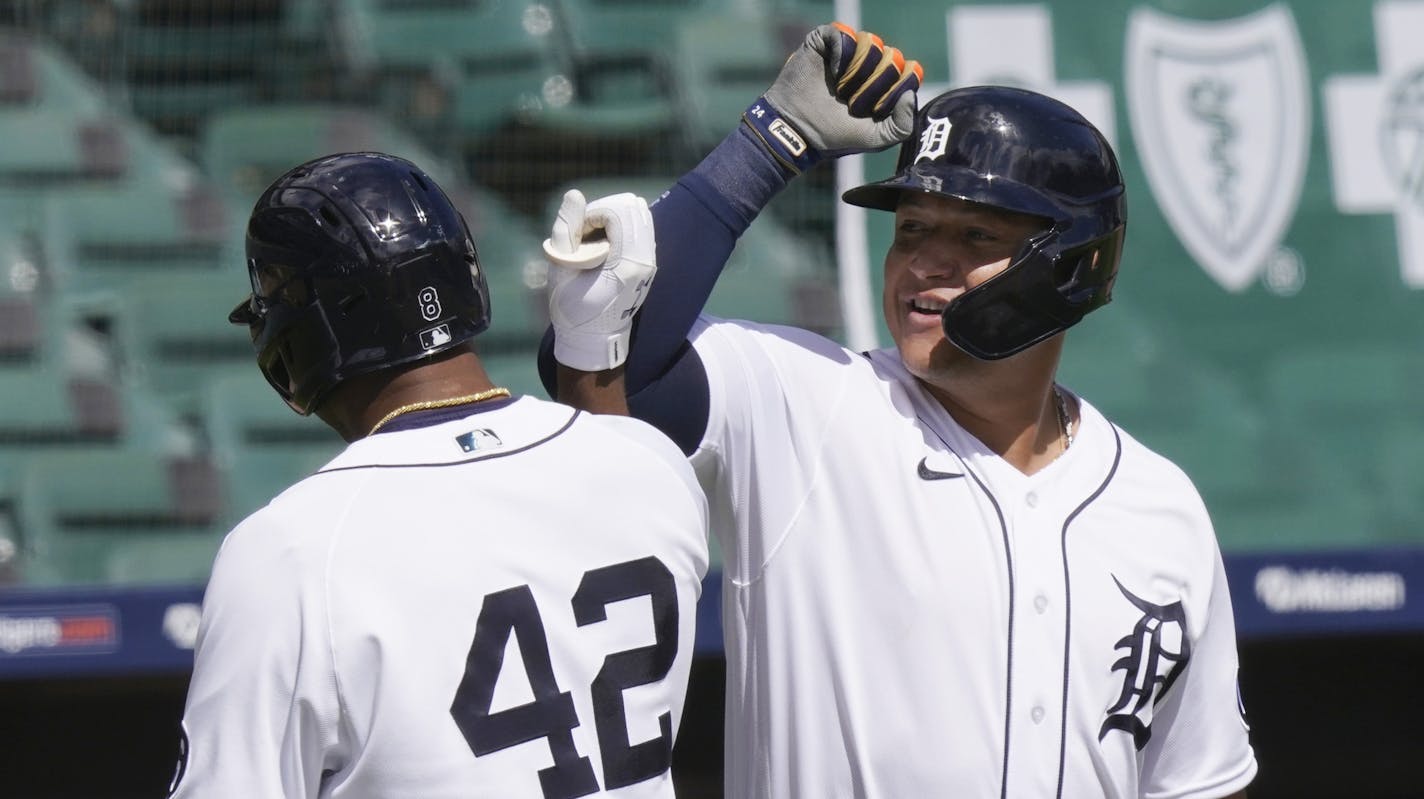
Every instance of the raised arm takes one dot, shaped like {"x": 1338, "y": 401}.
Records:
{"x": 841, "y": 92}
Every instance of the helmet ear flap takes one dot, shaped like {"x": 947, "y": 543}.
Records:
{"x": 1082, "y": 275}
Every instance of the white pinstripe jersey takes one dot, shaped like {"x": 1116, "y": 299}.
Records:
{"x": 907, "y": 615}
{"x": 500, "y": 605}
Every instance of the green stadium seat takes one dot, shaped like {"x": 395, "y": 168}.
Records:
{"x": 104, "y": 516}
{"x": 45, "y": 407}
{"x": 617, "y": 55}
{"x": 510, "y": 252}
{"x": 724, "y": 62}
{"x": 185, "y": 59}
{"x": 37, "y": 74}
{"x": 638, "y": 34}
{"x": 178, "y": 109}
{"x": 175, "y": 331}
{"x": 48, "y": 411}
{"x": 262, "y": 445}
{"x": 137, "y": 228}
{"x": 493, "y": 57}
{"x": 245, "y": 148}
{"x": 46, "y": 148}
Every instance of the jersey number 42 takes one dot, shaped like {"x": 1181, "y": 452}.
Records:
{"x": 552, "y": 715}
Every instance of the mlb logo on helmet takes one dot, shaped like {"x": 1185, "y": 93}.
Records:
{"x": 434, "y": 337}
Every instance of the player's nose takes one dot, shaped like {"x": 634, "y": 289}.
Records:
{"x": 938, "y": 264}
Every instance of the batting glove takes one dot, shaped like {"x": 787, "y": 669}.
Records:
{"x": 843, "y": 91}
{"x": 602, "y": 262}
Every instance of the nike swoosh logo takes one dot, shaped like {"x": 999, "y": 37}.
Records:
{"x": 926, "y": 473}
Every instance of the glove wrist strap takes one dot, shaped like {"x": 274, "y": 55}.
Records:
{"x": 589, "y": 351}
{"x": 780, "y": 136}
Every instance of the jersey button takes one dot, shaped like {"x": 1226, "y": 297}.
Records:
{"x": 1037, "y": 715}
{"x": 1032, "y": 499}
{"x": 1040, "y": 603}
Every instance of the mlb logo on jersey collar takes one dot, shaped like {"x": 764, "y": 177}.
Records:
{"x": 476, "y": 440}
{"x": 939, "y": 466}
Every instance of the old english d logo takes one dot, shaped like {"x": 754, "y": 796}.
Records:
{"x": 1220, "y": 114}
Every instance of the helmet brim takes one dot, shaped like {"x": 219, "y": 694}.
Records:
{"x": 958, "y": 183}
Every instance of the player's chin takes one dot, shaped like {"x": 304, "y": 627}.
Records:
{"x": 932, "y": 358}
{"x": 920, "y": 350}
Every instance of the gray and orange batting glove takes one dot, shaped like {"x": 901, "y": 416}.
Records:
{"x": 601, "y": 264}
{"x": 843, "y": 91}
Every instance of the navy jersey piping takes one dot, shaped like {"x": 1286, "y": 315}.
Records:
{"x": 1068, "y": 606}
{"x": 1009, "y": 566}
{"x": 489, "y": 456}
{"x": 1009, "y": 649}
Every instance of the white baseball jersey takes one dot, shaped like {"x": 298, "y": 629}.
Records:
{"x": 907, "y": 615}
{"x": 502, "y": 605}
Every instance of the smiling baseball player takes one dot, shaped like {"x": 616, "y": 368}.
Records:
{"x": 945, "y": 574}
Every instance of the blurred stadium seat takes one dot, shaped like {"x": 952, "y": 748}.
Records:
{"x": 47, "y": 407}
{"x": 104, "y": 516}
{"x": 186, "y": 58}
{"x": 139, "y": 229}
{"x": 245, "y": 148}
{"x": 39, "y": 75}
{"x": 175, "y": 331}
{"x": 46, "y": 148}
{"x": 260, "y": 444}
{"x": 472, "y": 65}
{"x": 724, "y": 61}
{"x": 617, "y": 56}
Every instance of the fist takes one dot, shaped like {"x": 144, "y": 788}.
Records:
{"x": 870, "y": 77}
{"x": 843, "y": 91}
{"x": 602, "y": 262}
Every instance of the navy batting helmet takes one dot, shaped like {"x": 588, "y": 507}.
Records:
{"x": 1020, "y": 151}
{"x": 358, "y": 262}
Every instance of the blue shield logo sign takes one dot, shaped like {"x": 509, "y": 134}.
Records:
{"x": 1220, "y": 114}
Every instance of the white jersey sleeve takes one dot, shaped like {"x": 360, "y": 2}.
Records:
{"x": 263, "y": 713}
{"x": 772, "y": 388}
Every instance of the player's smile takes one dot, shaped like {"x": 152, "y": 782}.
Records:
{"x": 928, "y": 305}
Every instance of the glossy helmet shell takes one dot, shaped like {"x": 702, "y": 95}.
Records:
{"x": 358, "y": 262}
{"x": 1020, "y": 151}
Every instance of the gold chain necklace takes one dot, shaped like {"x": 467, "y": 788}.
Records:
{"x": 1065, "y": 425}
{"x": 443, "y": 403}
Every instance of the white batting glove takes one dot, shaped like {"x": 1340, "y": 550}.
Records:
{"x": 843, "y": 91}
{"x": 601, "y": 263}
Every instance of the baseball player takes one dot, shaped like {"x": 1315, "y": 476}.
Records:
{"x": 484, "y": 594}
{"x": 945, "y": 574}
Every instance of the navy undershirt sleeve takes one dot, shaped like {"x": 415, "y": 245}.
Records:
{"x": 697, "y": 223}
